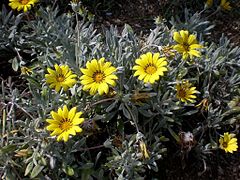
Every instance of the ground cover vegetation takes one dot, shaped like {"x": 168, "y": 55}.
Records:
{"x": 88, "y": 101}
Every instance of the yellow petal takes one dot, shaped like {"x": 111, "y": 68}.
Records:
{"x": 65, "y": 136}
{"x": 177, "y": 38}
{"x": 77, "y": 128}
{"x": 65, "y": 112}
{"x": 155, "y": 57}
{"x": 72, "y": 131}
{"x": 109, "y": 71}
{"x": 180, "y": 48}
{"x": 192, "y": 39}
{"x": 77, "y": 121}
{"x": 184, "y": 35}
{"x": 72, "y": 113}
{"x": 56, "y": 131}
{"x": 60, "y": 137}
{"x": 56, "y": 116}
{"x": 52, "y": 127}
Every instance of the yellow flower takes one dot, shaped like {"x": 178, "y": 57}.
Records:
{"x": 225, "y": 5}
{"x": 187, "y": 44}
{"x": 150, "y": 67}
{"x": 24, "y": 5}
{"x": 168, "y": 51}
{"x": 97, "y": 76}
{"x": 65, "y": 123}
{"x": 228, "y": 143}
{"x": 185, "y": 92}
{"x": 61, "y": 77}
{"x": 144, "y": 150}
{"x": 25, "y": 70}
{"x": 203, "y": 105}
{"x": 209, "y": 3}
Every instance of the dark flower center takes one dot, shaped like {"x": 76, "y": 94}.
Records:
{"x": 182, "y": 93}
{"x": 98, "y": 76}
{"x": 60, "y": 78}
{"x": 186, "y": 46}
{"x": 24, "y": 2}
{"x": 150, "y": 69}
{"x": 65, "y": 124}
{"x": 225, "y": 144}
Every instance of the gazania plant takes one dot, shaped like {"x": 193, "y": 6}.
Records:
{"x": 111, "y": 104}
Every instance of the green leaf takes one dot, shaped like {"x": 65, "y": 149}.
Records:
{"x": 15, "y": 64}
{"x": 28, "y": 168}
{"x": 189, "y": 113}
{"x": 174, "y": 135}
{"x": 69, "y": 171}
{"x": 109, "y": 108}
{"x": 36, "y": 170}
{"x": 52, "y": 162}
{"x": 98, "y": 157}
{"x": 9, "y": 148}
{"x": 145, "y": 113}
{"x": 120, "y": 125}
{"x": 126, "y": 113}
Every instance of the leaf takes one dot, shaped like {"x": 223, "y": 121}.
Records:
{"x": 8, "y": 148}
{"x": 109, "y": 116}
{"x": 36, "y": 170}
{"x": 15, "y": 64}
{"x": 79, "y": 144}
{"x": 97, "y": 157}
{"x": 52, "y": 162}
{"x": 174, "y": 135}
{"x": 165, "y": 96}
{"x": 145, "y": 113}
{"x": 169, "y": 119}
{"x": 28, "y": 168}
{"x": 126, "y": 113}
{"x": 120, "y": 125}
{"x": 109, "y": 108}
{"x": 189, "y": 113}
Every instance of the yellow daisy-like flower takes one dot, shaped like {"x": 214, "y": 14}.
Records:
{"x": 187, "y": 44}
{"x": 228, "y": 143}
{"x": 65, "y": 123}
{"x": 185, "y": 92}
{"x": 61, "y": 77}
{"x": 26, "y": 70}
{"x": 24, "y": 5}
{"x": 225, "y": 5}
{"x": 97, "y": 76}
{"x": 150, "y": 67}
